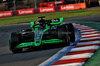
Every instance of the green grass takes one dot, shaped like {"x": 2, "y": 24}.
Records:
{"x": 95, "y": 59}
{"x": 64, "y": 14}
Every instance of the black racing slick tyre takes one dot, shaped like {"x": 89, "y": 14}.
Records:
{"x": 63, "y": 34}
{"x": 17, "y": 50}
{"x": 71, "y": 32}
{"x": 15, "y": 40}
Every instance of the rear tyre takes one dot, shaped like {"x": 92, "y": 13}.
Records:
{"x": 15, "y": 40}
{"x": 67, "y": 41}
{"x": 71, "y": 32}
{"x": 63, "y": 34}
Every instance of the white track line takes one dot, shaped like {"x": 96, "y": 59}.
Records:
{"x": 84, "y": 48}
{"x": 70, "y": 64}
{"x": 90, "y": 42}
{"x": 91, "y": 38}
{"x": 83, "y": 55}
{"x": 82, "y": 27}
{"x": 87, "y": 28}
{"x": 89, "y": 32}
{"x": 90, "y": 35}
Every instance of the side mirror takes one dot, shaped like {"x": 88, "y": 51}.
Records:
{"x": 56, "y": 21}
{"x": 61, "y": 20}
{"x": 32, "y": 23}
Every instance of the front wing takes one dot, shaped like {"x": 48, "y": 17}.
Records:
{"x": 43, "y": 42}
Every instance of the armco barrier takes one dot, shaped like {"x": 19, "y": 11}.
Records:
{"x": 43, "y": 10}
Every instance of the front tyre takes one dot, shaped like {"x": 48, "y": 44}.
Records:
{"x": 17, "y": 50}
{"x": 15, "y": 40}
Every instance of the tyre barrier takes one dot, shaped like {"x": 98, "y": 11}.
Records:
{"x": 80, "y": 51}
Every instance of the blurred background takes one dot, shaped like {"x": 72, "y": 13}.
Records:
{"x": 6, "y": 5}
{"x": 18, "y": 4}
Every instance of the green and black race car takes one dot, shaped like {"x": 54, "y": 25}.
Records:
{"x": 42, "y": 32}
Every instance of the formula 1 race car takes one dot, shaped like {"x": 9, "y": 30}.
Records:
{"x": 43, "y": 32}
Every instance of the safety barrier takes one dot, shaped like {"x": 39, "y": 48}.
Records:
{"x": 43, "y": 10}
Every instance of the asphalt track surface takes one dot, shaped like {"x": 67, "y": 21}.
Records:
{"x": 31, "y": 57}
